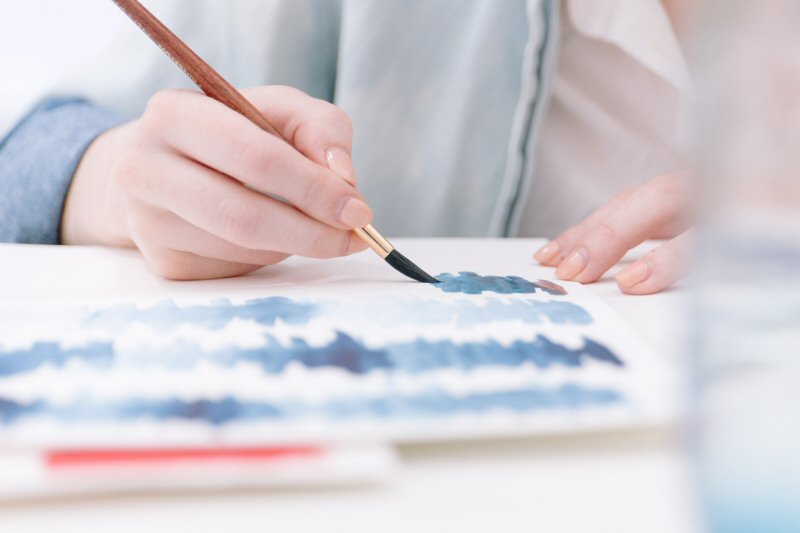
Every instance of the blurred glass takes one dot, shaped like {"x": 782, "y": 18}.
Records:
{"x": 746, "y": 429}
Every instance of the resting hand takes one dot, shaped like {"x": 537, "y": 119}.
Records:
{"x": 194, "y": 185}
{"x": 653, "y": 210}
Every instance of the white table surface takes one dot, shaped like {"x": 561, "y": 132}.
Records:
{"x": 633, "y": 481}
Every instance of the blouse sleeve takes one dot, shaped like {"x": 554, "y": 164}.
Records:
{"x": 37, "y": 160}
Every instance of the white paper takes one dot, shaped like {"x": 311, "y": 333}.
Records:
{"x": 96, "y": 351}
{"x": 30, "y": 475}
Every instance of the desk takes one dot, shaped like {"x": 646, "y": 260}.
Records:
{"x": 633, "y": 481}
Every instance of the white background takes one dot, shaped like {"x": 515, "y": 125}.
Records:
{"x": 40, "y": 40}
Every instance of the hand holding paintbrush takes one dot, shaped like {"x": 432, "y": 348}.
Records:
{"x": 185, "y": 178}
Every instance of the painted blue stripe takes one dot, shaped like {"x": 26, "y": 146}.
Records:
{"x": 167, "y": 315}
{"x": 472, "y": 283}
{"x": 431, "y": 404}
{"x": 344, "y": 352}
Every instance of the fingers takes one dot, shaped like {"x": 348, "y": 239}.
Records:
{"x": 173, "y": 233}
{"x": 205, "y": 193}
{"x": 552, "y": 253}
{"x": 228, "y": 142}
{"x": 222, "y": 207}
{"x": 318, "y": 129}
{"x": 659, "y": 269}
{"x": 587, "y": 251}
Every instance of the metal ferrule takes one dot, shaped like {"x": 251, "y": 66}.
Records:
{"x": 375, "y": 240}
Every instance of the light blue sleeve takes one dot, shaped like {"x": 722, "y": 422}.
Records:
{"x": 37, "y": 160}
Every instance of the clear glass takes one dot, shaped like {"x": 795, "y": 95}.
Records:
{"x": 746, "y": 425}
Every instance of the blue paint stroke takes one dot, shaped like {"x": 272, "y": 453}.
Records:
{"x": 386, "y": 311}
{"x": 95, "y": 354}
{"x": 464, "y": 314}
{"x": 431, "y": 404}
{"x": 166, "y": 315}
{"x": 423, "y": 356}
{"x": 344, "y": 352}
{"x": 472, "y": 283}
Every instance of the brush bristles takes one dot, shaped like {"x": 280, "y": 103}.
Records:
{"x": 401, "y": 263}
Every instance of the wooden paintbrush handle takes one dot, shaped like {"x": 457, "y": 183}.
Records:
{"x": 208, "y": 79}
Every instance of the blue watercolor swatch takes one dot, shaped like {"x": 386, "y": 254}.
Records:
{"x": 431, "y": 404}
{"x": 385, "y": 311}
{"x": 344, "y": 352}
{"x": 472, "y": 283}
{"x": 167, "y": 315}
{"x": 463, "y": 314}
{"x": 95, "y": 354}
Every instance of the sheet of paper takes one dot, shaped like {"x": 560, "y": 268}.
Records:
{"x": 95, "y": 351}
{"x": 34, "y": 475}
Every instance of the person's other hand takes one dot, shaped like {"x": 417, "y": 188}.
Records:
{"x": 653, "y": 210}
{"x": 197, "y": 187}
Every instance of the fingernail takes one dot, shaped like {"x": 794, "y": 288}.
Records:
{"x": 339, "y": 161}
{"x": 633, "y": 274}
{"x": 547, "y": 252}
{"x": 355, "y": 213}
{"x": 573, "y": 265}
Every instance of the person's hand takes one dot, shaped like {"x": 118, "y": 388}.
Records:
{"x": 197, "y": 187}
{"x": 653, "y": 210}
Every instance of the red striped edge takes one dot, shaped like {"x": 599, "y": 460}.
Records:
{"x": 75, "y": 458}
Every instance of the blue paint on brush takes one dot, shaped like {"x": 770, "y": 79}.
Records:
{"x": 344, "y": 352}
{"x": 472, "y": 283}
{"x": 432, "y": 403}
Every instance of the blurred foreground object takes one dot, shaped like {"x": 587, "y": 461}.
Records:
{"x": 746, "y": 434}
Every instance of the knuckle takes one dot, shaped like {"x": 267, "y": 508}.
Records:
{"x": 272, "y": 91}
{"x": 286, "y": 90}
{"x": 336, "y": 114}
{"x": 161, "y": 107}
{"x": 655, "y": 260}
{"x": 327, "y": 244}
{"x": 623, "y": 195}
{"x": 606, "y": 232}
{"x": 254, "y": 155}
{"x": 336, "y": 120}
{"x": 316, "y": 191}
{"x": 315, "y": 129}
{"x": 667, "y": 257}
{"x": 668, "y": 185}
{"x": 239, "y": 223}
{"x": 319, "y": 244}
{"x": 570, "y": 236}
{"x": 340, "y": 243}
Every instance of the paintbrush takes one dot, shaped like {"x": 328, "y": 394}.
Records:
{"x": 216, "y": 87}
